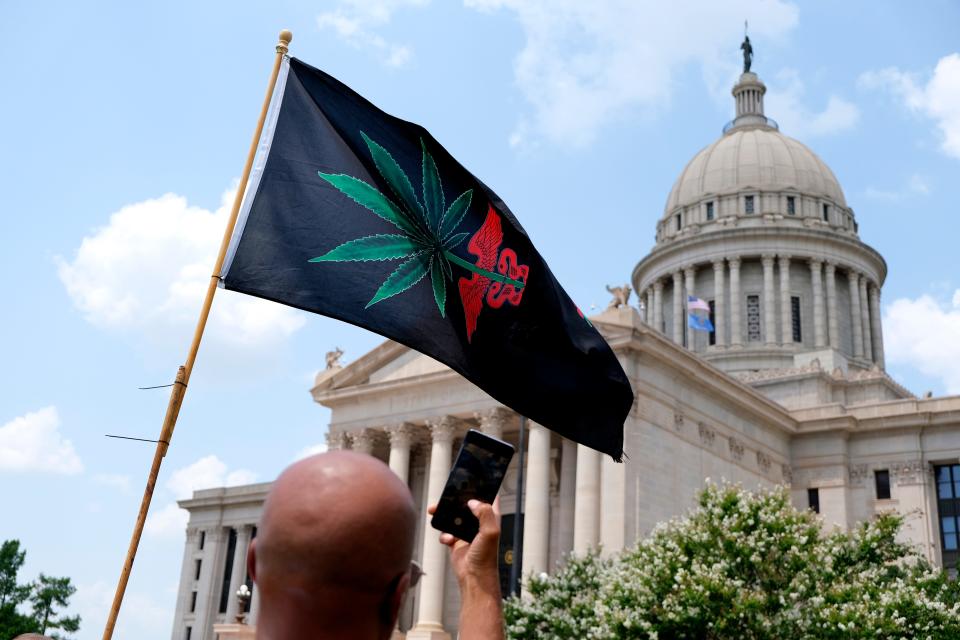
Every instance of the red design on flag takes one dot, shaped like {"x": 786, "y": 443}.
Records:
{"x": 485, "y": 244}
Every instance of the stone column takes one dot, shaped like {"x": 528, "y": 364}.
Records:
{"x": 363, "y": 441}
{"x": 855, "y": 316}
{"x": 865, "y": 316}
{"x": 819, "y": 335}
{"x": 208, "y": 592}
{"x": 536, "y": 502}
{"x": 648, "y": 306}
{"x": 336, "y": 440}
{"x": 736, "y": 303}
{"x": 238, "y": 571}
{"x": 430, "y": 615}
{"x": 493, "y": 421}
{"x": 877, "y": 332}
{"x": 678, "y": 307}
{"x": 568, "y": 495}
{"x": 833, "y": 324}
{"x": 401, "y": 436}
{"x": 587, "y": 515}
{"x": 658, "y": 305}
{"x": 786, "y": 317}
{"x": 769, "y": 316}
{"x": 719, "y": 304}
{"x": 613, "y": 497}
{"x": 254, "y": 608}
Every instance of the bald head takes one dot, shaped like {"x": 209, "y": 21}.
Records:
{"x": 338, "y": 519}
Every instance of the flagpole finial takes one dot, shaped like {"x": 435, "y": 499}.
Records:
{"x": 285, "y": 37}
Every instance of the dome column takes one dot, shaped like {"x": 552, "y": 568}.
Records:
{"x": 855, "y": 316}
{"x": 719, "y": 304}
{"x": 658, "y": 305}
{"x": 865, "y": 315}
{"x": 736, "y": 339}
{"x": 769, "y": 316}
{"x": 817, "y": 284}
{"x": 877, "y": 328}
{"x": 690, "y": 274}
{"x": 678, "y": 307}
{"x": 786, "y": 317}
{"x": 832, "y": 322}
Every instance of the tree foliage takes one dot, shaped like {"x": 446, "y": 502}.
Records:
{"x": 47, "y": 596}
{"x": 746, "y": 566}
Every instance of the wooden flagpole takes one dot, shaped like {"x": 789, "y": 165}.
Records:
{"x": 183, "y": 374}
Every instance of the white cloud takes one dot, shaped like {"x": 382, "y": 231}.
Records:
{"x": 356, "y": 22}
{"x": 916, "y": 185}
{"x": 784, "y": 103}
{"x": 206, "y": 473}
{"x": 312, "y": 450}
{"x": 585, "y": 64}
{"x": 169, "y": 521}
{"x": 33, "y": 442}
{"x": 938, "y": 99}
{"x": 925, "y": 334}
{"x": 141, "y": 616}
{"x": 147, "y": 271}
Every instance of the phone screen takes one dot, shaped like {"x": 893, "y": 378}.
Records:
{"x": 477, "y": 474}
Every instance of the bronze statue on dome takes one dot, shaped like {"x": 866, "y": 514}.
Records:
{"x": 747, "y": 49}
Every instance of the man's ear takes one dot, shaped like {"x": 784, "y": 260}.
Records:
{"x": 252, "y": 560}
{"x": 395, "y": 600}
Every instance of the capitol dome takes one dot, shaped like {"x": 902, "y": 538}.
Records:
{"x": 758, "y": 158}
{"x": 756, "y": 228}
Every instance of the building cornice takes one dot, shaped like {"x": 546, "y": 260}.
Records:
{"x": 908, "y": 413}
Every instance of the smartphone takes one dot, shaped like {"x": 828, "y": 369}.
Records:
{"x": 477, "y": 474}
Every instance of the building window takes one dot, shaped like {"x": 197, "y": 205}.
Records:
{"x": 795, "y": 318}
{"x": 753, "y": 318}
{"x": 203, "y": 538}
{"x": 189, "y": 633}
{"x": 813, "y": 500}
{"x": 709, "y": 211}
{"x": 227, "y": 570}
{"x": 196, "y": 573}
{"x": 791, "y": 206}
{"x": 193, "y": 602}
{"x": 679, "y": 221}
{"x": 948, "y": 508}
{"x": 826, "y": 213}
{"x": 713, "y": 322}
{"x": 881, "y": 478}
{"x": 748, "y": 204}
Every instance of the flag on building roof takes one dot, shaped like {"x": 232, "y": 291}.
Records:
{"x": 358, "y": 215}
{"x": 699, "y": 323}
{"x": 696, "y": 304}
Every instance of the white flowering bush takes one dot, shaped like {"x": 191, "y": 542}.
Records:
{"x": 745, "y": 565}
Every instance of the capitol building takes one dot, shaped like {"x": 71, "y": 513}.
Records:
{"x": 789, "y": 388}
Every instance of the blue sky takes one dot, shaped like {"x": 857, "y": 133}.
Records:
{"x": 128, "y": 123}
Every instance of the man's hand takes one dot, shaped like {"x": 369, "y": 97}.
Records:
{"x": 475, "y": 565}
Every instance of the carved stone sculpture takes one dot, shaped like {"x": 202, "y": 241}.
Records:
{"x": 620, "y": 296}
{"x": 333, "y": 358}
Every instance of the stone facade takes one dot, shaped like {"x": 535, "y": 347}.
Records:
{"x": 790, "y": 389}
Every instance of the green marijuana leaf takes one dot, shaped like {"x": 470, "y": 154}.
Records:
{"x": 426, "y": 240}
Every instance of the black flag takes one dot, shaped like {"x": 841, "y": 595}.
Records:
{"x": 364, "y": 217}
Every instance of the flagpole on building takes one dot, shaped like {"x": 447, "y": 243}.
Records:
{"x": 183, "y": 374}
